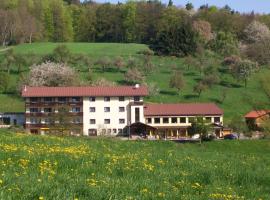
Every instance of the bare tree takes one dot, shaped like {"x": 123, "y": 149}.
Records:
{"x": 177, "y": 81}
{"x": 133, "y": 75}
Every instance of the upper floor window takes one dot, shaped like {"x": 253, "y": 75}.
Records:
{"x": 216, "y": 119}
{"x": 208, "y": 119}
{"x": 165, "y": 120}
{"x": 47, "y": 110}
{"x": 33, "y": 99}
{"x": 121, "y": 121}
{"x": 183, "y": 120}
{"x": 191, "y": 119}
{"x": 48, "y": 99}
{"x": 157, "y": 120}
{"x": 107, "y": 98}
{"x": 121, "y": 109}
{"x": 34, "y": 120}
{"x": 92, "y": 121}
{"x": 137, "y": 98}
{"x": 47, "y": 121}
{"x": 62, "y": 99}
{"x": 33, "y": 110}
{"x": 75, "y": 99}
{"x": 107, "y": 109}
{"x": 92, "y": 109}
{"x": 174, "y": 120}
{"x": 149, "y": 120}
{"x": 76, "y": 109}
{"x": 121, "y": 98}
{"x": 92, "y": 99}
{"x": 107, "y": 121}
{"x": 76, "y": 120}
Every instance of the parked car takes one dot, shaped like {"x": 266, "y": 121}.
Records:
{"x": 231, "y": 137}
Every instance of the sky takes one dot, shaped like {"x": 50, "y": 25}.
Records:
{"x": 258, "y": 6}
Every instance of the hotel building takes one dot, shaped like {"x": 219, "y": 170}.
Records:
{"x": 110, "y": 111}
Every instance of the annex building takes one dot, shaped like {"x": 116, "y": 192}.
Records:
{"x": 115, "y": 110}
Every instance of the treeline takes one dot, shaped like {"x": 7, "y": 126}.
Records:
{"x": 140, "y": 22}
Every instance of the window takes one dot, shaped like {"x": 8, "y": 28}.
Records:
{"x": 47, "y": 99}
{"x": 34, "y": 121}
{"x": 92, "y": 132}
{"x": 62, "y": 99}
{"x": 174, "y": 120}
{"x": 75, "y": 99}
{"x": 208, "y": 119}
{"x": 47, "y": 110}
{"x": 33, "y": 99}
{"x": 120, "y": 131}
{"x": 165, "y": 120}
{"x": 107, "y": 121}
{"x": 103, "y": 131}
{"x": 92, "y": 99}
{"x": 107, "y": 98}
{"x": 47, "y": 121}
{"x": 33, "y": 110}
{"x": 183, "y": 120}
{"x": 109, "y": 131}
{"x": 137, "y": 114}
{"x": 191, "y": 119}
{"x": 107, "y": 109}
{"x": 121, "y": 109}
{"x": 121, "y": 121}
{"x": 216, "y": 119}
{"x": 114, "y": 131}
{"x": 121, "y": 98}
{"x": 76, "y": 109}
{"x": 137, "y": 98}
{"x": 76, "y": 120}
{"x": 157, "y": 120}
{"x": 92, "y": 121}
{"x": 149, "y": 120}
{"x": 92, "y": 109}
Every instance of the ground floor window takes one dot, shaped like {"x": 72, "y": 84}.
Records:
{"x": 92, "y": 132}
{"x": 34, "y": 131}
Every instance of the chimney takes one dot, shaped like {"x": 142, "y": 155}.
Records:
{"x": 25, "y": 88}
{"x": 137, "y": 86}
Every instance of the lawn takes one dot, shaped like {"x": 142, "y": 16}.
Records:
{"x": 239, "y": 100}
{"x": 47, "y": 167}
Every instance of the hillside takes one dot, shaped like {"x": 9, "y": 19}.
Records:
{"x": 238, "y": 101}
{"x": 83, "y": 168}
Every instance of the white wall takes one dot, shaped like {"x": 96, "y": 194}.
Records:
{"x": 114, "y": 115}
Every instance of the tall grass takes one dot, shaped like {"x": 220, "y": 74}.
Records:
{"x": 34, "y": 167}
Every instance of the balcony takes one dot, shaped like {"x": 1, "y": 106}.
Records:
{"x": 54, "y": 103}
{"x": 45, "y": 114}
{"x": 39, "y": 125}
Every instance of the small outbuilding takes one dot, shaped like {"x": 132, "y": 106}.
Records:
{"x": 8, "y": 119}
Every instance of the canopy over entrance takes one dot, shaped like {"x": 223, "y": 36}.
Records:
{"x": 139, "y": 128}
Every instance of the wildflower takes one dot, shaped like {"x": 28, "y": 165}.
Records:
{"x": 41, "y": 198}
{"x": 161, "y": 194}
{"x": 145, "y": 190}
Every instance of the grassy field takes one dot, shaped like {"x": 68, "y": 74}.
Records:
{"x": 44, "y": 167}
{"x": 238, "y": 101}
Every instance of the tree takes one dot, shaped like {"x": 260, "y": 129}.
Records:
{"x": 61, "y": 54}
{"x": 239, "y": 125}
{"x": 119, "y": 62}
{"x": 133, "y": 76}
{"x": 153, "y": 89}
{"x": 189, "y": 6}
{"x": 224, "y": 43}
{"x": 104, "y": 62}
{"x": 178, "y": 40}
{"x": 177, "y": 81}
{"x": 199, "y": 126}
{"x": 210, "y": 79}
{"x": 20, "y": 61}
{"x": 9, "y": 59}
{"x": 129, "y": 17}
{"x": 4, "y": 82}
{"x": 256, "y": 32}
{"x": 148, "y": 66}
{"x": 170, "y": 3}
{"x": 203, "y": 28}
{"x": 199, "y": 88}
{"x": 189, "y": 61}
{"x": 243, "y": 70}
{"x": 52, "y": 74}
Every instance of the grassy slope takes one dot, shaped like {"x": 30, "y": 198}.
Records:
{"x": 69, "y": 168}
{"x": 237, "y": 102}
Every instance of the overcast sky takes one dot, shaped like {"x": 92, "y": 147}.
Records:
{"x": 259, "y": 6}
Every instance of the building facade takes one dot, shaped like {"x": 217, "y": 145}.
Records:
{"x": 8, "y": 119}
{"x": 110, "y": 111}
{"x": 88, "y": 110}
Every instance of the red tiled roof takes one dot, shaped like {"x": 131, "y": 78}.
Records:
{"x": 84, "y": 91}
{"x": 257, "y": 113}
{"x": 188, "y": 109}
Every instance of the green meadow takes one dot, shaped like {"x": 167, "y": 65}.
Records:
{"x": 48, "y": 167}
{"x": 238, "y": 101}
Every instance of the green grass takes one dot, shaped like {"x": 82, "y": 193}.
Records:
{"x": 70, "y": 168}
{"x": 92, "y": 49}
{"x": 239, "y": 100}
